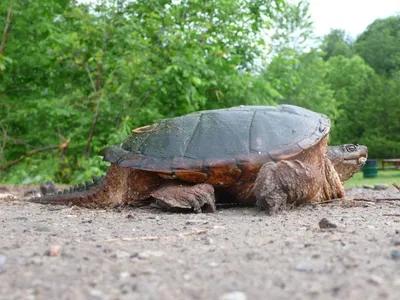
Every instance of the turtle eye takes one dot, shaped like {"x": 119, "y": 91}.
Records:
{"x": 351, "y": 148}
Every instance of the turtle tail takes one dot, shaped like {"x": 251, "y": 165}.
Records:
{"x": 85, "y": 195}
{"x": 120, "y": 186}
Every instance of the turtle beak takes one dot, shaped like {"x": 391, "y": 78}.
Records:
{"x": 363, "y": 151}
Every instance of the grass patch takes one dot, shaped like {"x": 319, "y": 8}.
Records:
{"x": 387, "y": 176}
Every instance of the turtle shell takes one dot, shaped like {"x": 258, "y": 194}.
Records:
{"x": 221, "y": 147}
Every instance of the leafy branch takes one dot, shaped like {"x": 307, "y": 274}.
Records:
{"x": 64, "y": 145}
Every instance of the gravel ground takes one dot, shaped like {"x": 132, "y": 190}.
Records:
{"x": 56, "y": 252}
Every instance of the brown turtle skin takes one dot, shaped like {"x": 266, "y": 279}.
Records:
{"x": 272, "y": 156}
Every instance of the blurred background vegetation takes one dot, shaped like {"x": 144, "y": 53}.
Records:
{"x": 76, "y": 77}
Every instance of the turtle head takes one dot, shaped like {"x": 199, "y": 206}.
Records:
{"x": 347, "y": 159}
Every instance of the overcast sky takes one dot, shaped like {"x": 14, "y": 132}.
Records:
{"x": 351, "y": 15}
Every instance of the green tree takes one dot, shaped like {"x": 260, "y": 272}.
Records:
{"x": 367, "y": 106}
{"x": 92, "y": 73}
{"x": 300, "y": 80}
{"x": 296, "y": 72}
{"x": 350, "y": 80}
{"x": 337, "y": 43}
{"x": 28, "y": 79}
{"x": 381, "y": 115}
{"x": 379, "y": 45}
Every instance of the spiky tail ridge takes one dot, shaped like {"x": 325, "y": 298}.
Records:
{"x": 81, "y": 194}
{"x": 120, "y": 186}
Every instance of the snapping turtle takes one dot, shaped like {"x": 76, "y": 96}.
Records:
{"x": 264, "y": 155}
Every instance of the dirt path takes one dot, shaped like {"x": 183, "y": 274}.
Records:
{"x": 50, "y": 252}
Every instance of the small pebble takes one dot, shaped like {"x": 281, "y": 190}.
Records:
{"x": 54, "y": 251}
{"x": 96, "y": 294}
{"x": 376, "y": 280}
{"x": 324, "y": 223}
{"x": 381, "y": 186}
{"x": 303, "y": 267}
{"x": 209, "y": 241}
{"x": 213, "y": 264}
{"x": 368, "y": 186}
{"x": 124, "y": 275}
{"x": 237, "y": 295}
{"x": 395, "y": 254}
{"x": 87, "y": 221}
{"x": 148, "y": 254}
{"x": 197, "y": 222}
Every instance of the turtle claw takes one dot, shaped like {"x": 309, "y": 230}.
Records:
{"x": 176, "y": 197}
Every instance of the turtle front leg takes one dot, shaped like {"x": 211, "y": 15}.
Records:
{"x": 287, "y": 182}
{"x": 180, "y": 197}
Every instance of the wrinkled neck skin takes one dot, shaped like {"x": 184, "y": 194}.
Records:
{"x": 347, "y": 159}
{"x": 326, "y": 176}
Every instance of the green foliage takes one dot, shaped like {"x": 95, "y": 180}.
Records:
{"x": 300, "y": 80}
{"x": 349, "y": 78}
{"x": 92, "y": 73}
{"x": 368, "y": 106}
{"x": 336, "y": 43}
{"x": 379, "y": 45}
{"x": 382, "y": 124}
{"x": 296, "y": 73}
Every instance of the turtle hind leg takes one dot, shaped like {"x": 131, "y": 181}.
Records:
{"x": 287, "y": 183}
{"x": 178, "y": 197}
